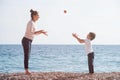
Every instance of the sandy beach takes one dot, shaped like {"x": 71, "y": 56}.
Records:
{"x": 60, "y": 76}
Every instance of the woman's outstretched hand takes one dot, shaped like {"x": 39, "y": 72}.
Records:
{"x": 44, "y": 32}
{"x": 41, "y": 32}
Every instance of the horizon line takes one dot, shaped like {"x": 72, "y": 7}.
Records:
{"x": 61, "y": 44}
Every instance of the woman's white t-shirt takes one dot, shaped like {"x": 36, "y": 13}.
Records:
{"x": 88, "y": 46}
{"x": 30, "y": 30}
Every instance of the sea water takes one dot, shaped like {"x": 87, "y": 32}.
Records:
{"x": 59, "y": 58}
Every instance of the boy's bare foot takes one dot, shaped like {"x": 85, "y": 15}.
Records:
{"x": 27, "y": 72}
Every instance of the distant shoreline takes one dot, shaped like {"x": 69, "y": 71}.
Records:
{"x": 60, "y": 76}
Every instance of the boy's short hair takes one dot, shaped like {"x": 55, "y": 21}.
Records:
{"x": 92, "y": 35}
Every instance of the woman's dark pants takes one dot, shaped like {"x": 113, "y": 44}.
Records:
{"x": 26, "y": 43}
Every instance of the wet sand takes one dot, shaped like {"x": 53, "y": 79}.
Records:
{"x": 60, "y": 76}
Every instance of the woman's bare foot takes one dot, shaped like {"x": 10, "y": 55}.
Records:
{"x": 27, "y": 72}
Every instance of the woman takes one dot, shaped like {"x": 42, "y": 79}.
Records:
{"x": 28, "y": 37}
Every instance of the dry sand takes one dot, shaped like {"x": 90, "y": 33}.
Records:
{"x": 60, "y": 76}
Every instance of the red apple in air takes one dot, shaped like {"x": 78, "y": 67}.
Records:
{"x": 65, "y": 11}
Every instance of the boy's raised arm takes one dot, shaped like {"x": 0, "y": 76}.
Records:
{"x": 79, "y": 40}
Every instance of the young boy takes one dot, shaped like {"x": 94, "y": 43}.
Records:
{"x": 88, "y": 48}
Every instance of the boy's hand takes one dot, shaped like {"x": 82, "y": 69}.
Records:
{"x": 79, "y": 39}
{"x": 74, "y": 35}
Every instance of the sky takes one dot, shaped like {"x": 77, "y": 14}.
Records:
{"x": 83, "y": 16}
